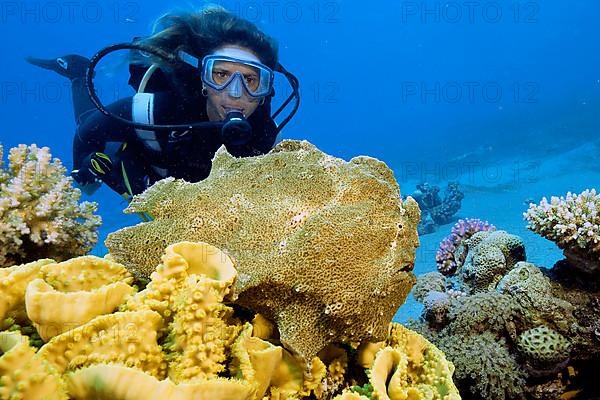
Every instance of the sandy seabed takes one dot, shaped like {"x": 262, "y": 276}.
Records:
{"x": 502, "y": 199}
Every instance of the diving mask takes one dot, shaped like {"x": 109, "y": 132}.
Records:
{"x": 223, "y": 72}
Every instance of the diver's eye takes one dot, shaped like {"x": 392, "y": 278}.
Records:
{"x": 251, "y": 81}
{"x": 220, "y": 76}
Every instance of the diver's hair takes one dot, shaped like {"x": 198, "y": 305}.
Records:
{"x": 201, "y": 32}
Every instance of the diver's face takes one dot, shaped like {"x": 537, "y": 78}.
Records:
{"x": 235, "y": 95}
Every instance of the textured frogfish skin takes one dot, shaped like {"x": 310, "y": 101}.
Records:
{"x": 323, "y": 247}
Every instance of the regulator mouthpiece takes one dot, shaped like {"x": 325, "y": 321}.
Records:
{"x": 236, "y": 130}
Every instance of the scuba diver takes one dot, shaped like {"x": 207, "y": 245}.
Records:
{"x": 203, "y": 80}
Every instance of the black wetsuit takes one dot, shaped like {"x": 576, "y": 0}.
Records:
{"x": 185, "y": 154}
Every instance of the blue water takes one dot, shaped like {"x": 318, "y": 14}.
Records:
{"x": 425, "y": 86}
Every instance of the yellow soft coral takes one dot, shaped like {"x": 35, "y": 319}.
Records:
{"x": 203, "y": 330}
{"x": 127, "y": 338}
{"x": 410, "y": 367}
{"x": 255, "y": 360}
{"x": 274, "y": 371}
{"x": 189, "y": 288}
{"x": 112, "y": 382}
{"x": 335, "y": 361}
{"x": 84, "y": 273}
{"x": 324, "y": 247}
{"x": 348, "y": 395}
{"x": 14, "y": 281}
{"x": 389, "y": 376}
{"x": 180, "y": 261}
{"x": 288, "y": 377}
{"x": 262, "y": 327}
{"x": 25, "y": 376}
{"x": 73, "y": 292}
{"x": 367, "y": 352}
{"x": 314, "y": 377}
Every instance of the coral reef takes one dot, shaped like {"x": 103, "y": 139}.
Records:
{"x": 541, "y": 347}
{"x": 126, "y": 338}
{"x": 485, "y": 312}
{"x": 73, "y": 292}
{"x": 484, "y": 366}
{"x": 23, "y": 374}
{"x": 407, "y": 366}
{"x": 573, "y": 223}
{"x": 176, "y": 339}
{"x": 490, "y": 255}
{"x": 512, "y": 329}
{"x": 533, "y": 291}
{"x": 13, "y": 283}
{"x": 436, "y": 211}
{"x": 40, "y": 213}
{"x": 115, "y": 382}
{"x": 324, "y": 248}
{"x": 201, "y": 352}
{"x": 431, "y": 281}
{"x": 452, "y": 252}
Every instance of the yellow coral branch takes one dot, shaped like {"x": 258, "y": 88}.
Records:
{"x": 127, "y": 338}
{"x": 111, "y": 382}
{"x": 73, "y": 292}
{"x": 14, "y": 281}
{"x": 25, "y": 376}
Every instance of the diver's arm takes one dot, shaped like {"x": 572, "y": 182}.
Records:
{"x": 98, "y": 129}
{"x": 91, "y": 138}
{"x": 90, "y": 188}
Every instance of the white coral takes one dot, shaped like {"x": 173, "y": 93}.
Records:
{"x": 570, "y": 221}
{"x": 40, "y": 213}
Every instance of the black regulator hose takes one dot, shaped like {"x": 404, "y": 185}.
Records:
{"x": 89, "y": 80}
{"x": 237, "y": 125}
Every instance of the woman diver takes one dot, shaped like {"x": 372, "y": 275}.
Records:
{"x": 203, "y": 80}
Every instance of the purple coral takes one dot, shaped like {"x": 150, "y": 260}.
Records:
{"x": 446, "y": 258}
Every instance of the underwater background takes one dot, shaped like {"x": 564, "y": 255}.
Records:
{"x": 502, "y": 97}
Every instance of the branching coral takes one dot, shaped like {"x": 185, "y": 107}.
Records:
{"x": 40, "y": 213}
{"x": 301, "y": 226}
{"x": 451, "y": 254}
{"x": 573, "y": 223}
{"x": 434, "y": 210}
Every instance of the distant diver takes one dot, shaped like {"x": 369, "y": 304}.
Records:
{"x": 203, "y": 79}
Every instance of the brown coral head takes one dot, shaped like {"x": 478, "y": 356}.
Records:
{"x": 583, "y": 260}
